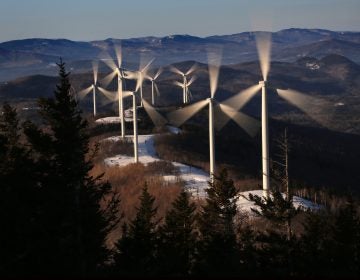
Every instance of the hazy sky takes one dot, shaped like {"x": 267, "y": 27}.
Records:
{"x": 100, "y": 19}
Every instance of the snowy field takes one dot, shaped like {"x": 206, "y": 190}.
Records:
{"x": 195, "y": 179}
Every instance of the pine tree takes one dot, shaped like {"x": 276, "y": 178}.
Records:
{"x": 18, "y": 198}
{"x": 178, "y": 237}
{"x": 137, "y": 247}
{"x": 75, "y": 225}
{"x": 347, "y": 241}
{"x": 218, "y": 252}
{"x": 316, "y": 246}
{"x": 277, "y": 245}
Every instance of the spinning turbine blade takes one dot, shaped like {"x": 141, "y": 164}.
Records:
{"x": 109, "y": 61}
{"x": 193, "y": 79}
{"x": 95, "y": 66}
{"x": 84, "y": 92}
{"x": 158, "y": 73}
{"x": 157, "y": 119}
{"x": 240, "y": 99}
{"x": 180, "y": 116}
{"x": 118, "y": 53}
{"x": 110, "y": 95}
{"x": 237, "y": 102}
{"x": 108, "y": 78}
{"x": 263, "y": 44}
{"x": 179, "y": 84}
{"x": 131, "y": 75}
{"x": 192, "y": 69}
{"x": 214, "y": 61}
{"x": 176, "y": 70}
{"x": 156, "y": 89}
{"x": 127, "y": 93}
{"x": 146, "y": 67}
{"x": 249, "y": 124}
{"x": 316, "y": 108}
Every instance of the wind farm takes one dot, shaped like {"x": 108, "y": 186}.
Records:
{"x": 180, "y": 140}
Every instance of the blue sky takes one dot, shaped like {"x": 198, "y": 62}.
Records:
{"x": 100, "y": 19}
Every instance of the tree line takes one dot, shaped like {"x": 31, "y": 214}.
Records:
{"x": 56, "y": 218}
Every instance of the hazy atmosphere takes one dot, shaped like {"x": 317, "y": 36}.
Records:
{"x": 91, "y": 20}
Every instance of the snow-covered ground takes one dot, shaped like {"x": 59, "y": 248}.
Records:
{"x": 195, "y": 179}
{"x": 245, "y": 205}
{"x": 108, "y": 120}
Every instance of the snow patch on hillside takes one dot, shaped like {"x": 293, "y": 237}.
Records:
{"x": 195, "y": 179}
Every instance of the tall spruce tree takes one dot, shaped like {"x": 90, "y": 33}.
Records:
{"x": 218, "y": 250}
{"x": 178, "y": 238}
{"x": 18, "y": 198}
{"x": 347, "y": 241}
{"x": 75, "y": 224}
{"x": 277, "y": 245}
{"x": 137, "y": 247}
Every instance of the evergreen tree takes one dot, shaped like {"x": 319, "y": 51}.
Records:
{"x": 276, "y": 245}
{"x": 347, "y": 241}
{"x": 178, "y": 237}
{"x": 75, "y": 224}
{"x": 18, "y": 198}
{"x": 137, "y": 246}
{"x": 315, "y": 257}
{"x": 218, "y": 251}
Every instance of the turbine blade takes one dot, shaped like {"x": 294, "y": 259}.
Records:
{"x": 192, "y": 69}
{"x": 156, "y": 89}
{"x": 155, "y": 116}
{"x": 127, "y": 93}
{"x": 84, "y": 92}
{"x": 214, "y": 62}
{"x": 250, "y": 125}
{"x": 317, "y": 109}
{"x": 118, "y": 53}
{"x": 193, "y": 79}
{"x": 131, "y": 75}
{"x": 180, "y": 116}
{"x": 179, "y": 84}
{"x": 158, "y": 73}
{"x": 263, "y": 44}
{"x": 176, "y": 70}
{"x": 108, "y": 78}
{"x": 240, "y": 99}
{"x": 110, "y": 95}
{"x": 146, "y": 67}
{"x": 109, "y": 61}
{"x": 237, "y": 102}
{"x": 95, "y": 66}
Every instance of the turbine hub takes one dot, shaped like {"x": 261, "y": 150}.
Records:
{"x": 263, "y": 83}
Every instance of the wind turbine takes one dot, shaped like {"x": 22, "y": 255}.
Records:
{"x": 154, "y": 87}
{"x": 185, "y": 84}
{"x": 303, "y": 102}
{"x": 119, "y": 72}
{"x": 140, "y": 75}
{"x": 180, "y": 116}
{"x": 93, "y": 87}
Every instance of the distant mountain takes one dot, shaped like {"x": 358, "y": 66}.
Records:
{"x": 35, "y": 56}
{"x": 334, "y": 80}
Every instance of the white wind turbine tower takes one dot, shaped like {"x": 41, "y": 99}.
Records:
{"x": 119, "y": 72}
{"x": 180, "y": 116}
{"x": 185, "y": 84}
{"x": 93, "y": 88}
{"x": 156, "y": 117}
{"x": 154, "y": 87}
{"x": 305, "y": 103}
